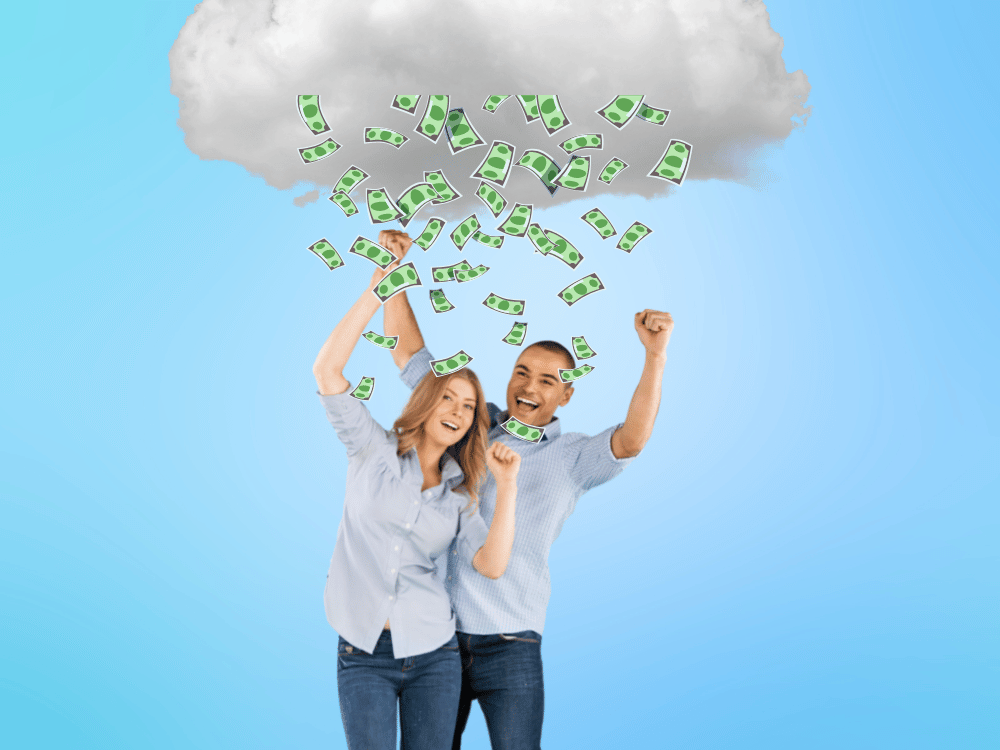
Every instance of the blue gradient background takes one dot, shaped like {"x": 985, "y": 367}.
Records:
{"x": 804, "y": 556}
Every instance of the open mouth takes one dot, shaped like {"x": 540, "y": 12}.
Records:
{"x": 526, "y": 404}
{"x": 451, "y": 426}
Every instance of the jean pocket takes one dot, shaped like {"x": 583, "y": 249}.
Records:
{"x": 525, "y": 636}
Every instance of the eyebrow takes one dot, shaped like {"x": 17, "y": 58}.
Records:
{"x": 527, "y": 370}
{"x": 447, "y": 389}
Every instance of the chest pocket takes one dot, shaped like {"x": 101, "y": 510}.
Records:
{"x": 437, "y": 524}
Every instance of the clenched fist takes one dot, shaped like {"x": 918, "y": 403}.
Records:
{"x": 503, "y": 462}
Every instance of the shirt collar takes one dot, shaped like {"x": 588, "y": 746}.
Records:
{"x": 497, "y": 417}
{"x": 451, "y": 473}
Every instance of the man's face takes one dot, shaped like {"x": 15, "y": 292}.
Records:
{"x": 536, "y": 380}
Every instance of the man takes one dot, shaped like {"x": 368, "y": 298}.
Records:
{"x": 500, "y": 622}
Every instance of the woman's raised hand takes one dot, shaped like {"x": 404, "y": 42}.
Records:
{"x": 503, "y": 462}
{"x": 395, "y": 242}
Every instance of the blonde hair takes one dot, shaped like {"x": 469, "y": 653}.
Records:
{"x": 470, "y": 451}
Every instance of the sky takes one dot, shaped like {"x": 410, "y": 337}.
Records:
{"x": 803, "y": 556}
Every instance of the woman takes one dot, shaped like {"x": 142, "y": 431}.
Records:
{"x": 410, "y": 492}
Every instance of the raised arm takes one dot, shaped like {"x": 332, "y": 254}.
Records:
{"x": 491, "y": 559}
{"x": 398, "y": 319}
{"x": 654, "y": 329}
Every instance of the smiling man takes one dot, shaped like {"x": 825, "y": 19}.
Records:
{"x": 500, "y": 622}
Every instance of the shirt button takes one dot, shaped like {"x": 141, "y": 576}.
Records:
{"x": 397, "y": 548}
{"x": 392, "y": 570}
{"x": 407, "y": 525}
{"x": 455, "y": 552}
{"x": 390, "y": 596}
{"x": 416, "y": 502}
{"x": 449, "y": 578}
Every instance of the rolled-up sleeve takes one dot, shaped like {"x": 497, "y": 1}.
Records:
{"x": 592, "y": 460}
{"x": 418, "y": 366}
{"x": 472, "y": 533}
{"x": 355, "y": 426}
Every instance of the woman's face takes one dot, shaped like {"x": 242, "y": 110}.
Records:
{"x": 454, "y": 413}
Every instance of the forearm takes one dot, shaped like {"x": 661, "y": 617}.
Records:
{"x": 492, "y": 558}
{"x": 399, "y": 320}
{"x": 630, "y": 438}
{"x": 329, "y": 365}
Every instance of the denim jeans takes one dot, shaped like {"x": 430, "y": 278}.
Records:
{"x": 427, "y": 687}
{"x": 504, "y": 673}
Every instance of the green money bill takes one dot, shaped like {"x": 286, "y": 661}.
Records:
{"x": 432, "y": 123}
{"x": 568, "y": 376}
{"x": 582, "y": 349}
{"x": 462, "y": 275}
{"x": 515, "y": 336}
{"x": 529, "y": 105}
{"x": 495, "y": 202}
{"x": 553, "y": 117}
{"x": 611, "y": 169}
{"x": 601, "y": 223}
{"x": 496, "y": 166}
{"x": 431, "y": 232}
{"x": 461, "y": 134}
{"x": 447, "y": 273}
{"x": 440, "y": 302}
{"x": 365, "y": 389}
{"x": 526, "y": 432}
{"x": 464, "y": 231}
{"x": 516, "y": 223}
{"x": 581, "y": 288}
{"x": 444, "y": 189}
{"x": 633, "y": 235}
{"x": 343, "y": 201}
{"x": 380, "y": 206}
{"x": 372, "y": 251}
{"x": 490, "y": 240}
{"x": 376, "y": 134}
{"x": 620, "y": 109}
{"x": 319, "y": 151}
{"x": 402, "y": 278}
{"x": 406, "y": 102}
{"x": 386, "y": 342}
{"x": 327, "y": 253}
{"x": 353, "y": 177}
{"x": 310, "y": 113}
{"x": 491, "y": 103}
{"x": 590, "y": 140}
{"x": 415, "y": 197}
{"x": 653, "y": 115}
{"x": 451, "y": 364}
{"x": 537, "y": 236}
{"x": 563, "y": 249}
{"x": 673, "y": 165}
{"x": 575, "y": 175}
{"x": 542, "y": 166}
{"x": 504, "y": 305}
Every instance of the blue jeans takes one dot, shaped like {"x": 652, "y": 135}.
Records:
{"x": 504, "y": 673}
{"x": 427, "y": 687}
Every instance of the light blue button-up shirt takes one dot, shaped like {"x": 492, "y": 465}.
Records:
{"x": 390, "y": 557}
{"x": 554, "y": 473}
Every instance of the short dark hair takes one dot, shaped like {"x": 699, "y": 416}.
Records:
{"x": 556, "y": 348}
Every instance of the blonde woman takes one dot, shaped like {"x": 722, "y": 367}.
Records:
{"x": 410, "y": 492}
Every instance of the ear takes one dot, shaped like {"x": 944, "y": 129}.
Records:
{"x": 566, "y": 396}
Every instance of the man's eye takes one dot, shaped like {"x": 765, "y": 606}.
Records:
{"x": 448, "y": 397}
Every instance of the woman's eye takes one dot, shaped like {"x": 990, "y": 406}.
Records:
{"x": 468, "y": 406}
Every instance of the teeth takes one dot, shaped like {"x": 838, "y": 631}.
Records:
{"x": 450, "y": 425}
{"x": 525, "y": 401}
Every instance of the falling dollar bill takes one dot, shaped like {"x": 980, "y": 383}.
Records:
{"x": 440, "y": 302}
{"x": 620, "y": 109}
{"x": 496, "y": 166}
{"x": 461, "y": 134}
{"x": 553, "y": 117}
{"x": 310, "y": 113}
{"x": 492, "y": 102}
{"x": 464, "y": 231}
{"x": 523, "y": 431}
{"x": 463, "y": 274}
{"x": 489, "y": 240}
{"x": 653, "y": 115}
{"x": 415, "y": 197}
{"x": 432, "y": 123}
{"x": 386, "y": 342}
{"x": 601, "y": 223}
{"x": 379, "y": 134}
{"x": 319, "y": 151}
{"x": 575, "y": 175}
{"x": 495, "y": 202}
{"x": 431, "y": 232}
{"x": 447, "y": 273}
{"x": 611, "y": 170}
{"x": 673, "y": 165}
{"x": 344, "y": 203}
{"x": 372, "y": 251}
{"x": 516, "y": 223}
{"x": 580, "y": 289}
{"x": 582, "y": 349}
{"x": 542, "y": 166}
{"x": 529, "y": 105}
{"x": 537, "y": 236}
{"x": 451, "y": 364}
{"x": 568, "y": 376}
{"x": 327, "y": 253}
{"x": 444, "y": 190}
{"x": 633, "y": 235}
{"x": 365, "y": 389}
{"x": 590, "y": 140}
{"x": 504, "y": 305}
{"x": 515, "y": 336}
{"x": 380, "y": 206}
{"x": 353, "y": 177}
{"x": 563, "y": 249}
{"x": 406, "y": 102}
{"x": 402, "y": 278}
